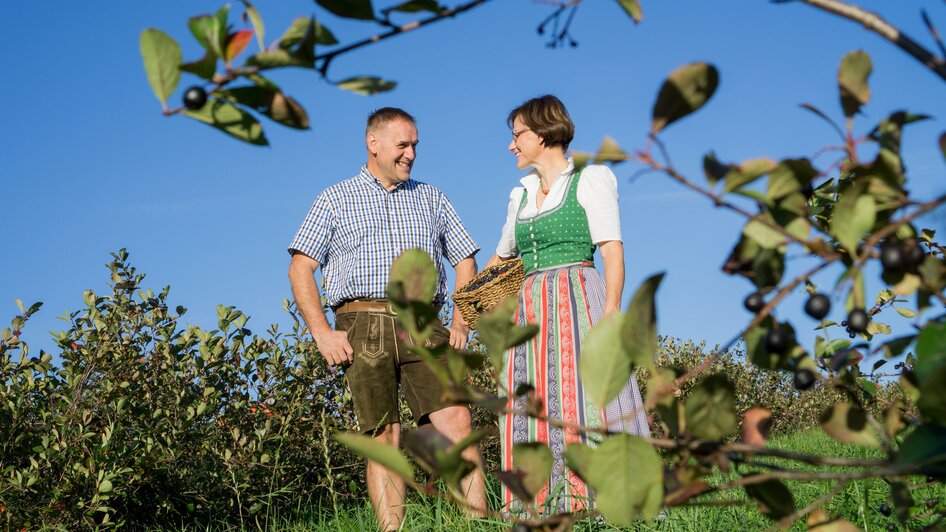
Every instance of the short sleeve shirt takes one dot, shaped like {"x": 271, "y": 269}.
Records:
{"x": 356, "y": 228}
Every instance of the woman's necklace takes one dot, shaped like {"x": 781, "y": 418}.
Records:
{"x": 544, "y": 187}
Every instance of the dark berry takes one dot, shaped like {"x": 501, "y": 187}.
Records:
{"x": 754, "y": 302}
{"x": 818, "y": 306}
{"x": 913, "y": 252}
{"x": 891, "y": 256}
{"x": 858, "y": 320}
{"x": 851, "y": 334}
{"x": 844, "y": 323}
{"x": 891, "y": 527}
{"x": 195, "y": 98}
{"x": 804, "y": 379}
{"x": 778, "y": 340}
{"x": 884, "y": 509}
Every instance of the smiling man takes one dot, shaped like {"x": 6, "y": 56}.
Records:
{"x": 355, "y": 230}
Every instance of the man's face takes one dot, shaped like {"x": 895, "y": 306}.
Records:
{"x": 393, "y": 147}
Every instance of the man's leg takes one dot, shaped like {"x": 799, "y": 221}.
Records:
{"x": 385, "y": 488}
{"x": 455, "y": 423}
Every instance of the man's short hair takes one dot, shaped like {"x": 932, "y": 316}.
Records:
{"x": 384, "y": 115}
{"x": 547, "y": 117}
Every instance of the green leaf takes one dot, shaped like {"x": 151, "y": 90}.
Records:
{"x": 162, "y": 59}
{"x": 639, "y": 332}
{"x": 278, "y": 59}
{"x": 366, "y": 85}
{"x": 269, "y": 102}
{"x": 304, "y": 27}
{"x": 437, "y": 454}
{"x": 848, "y": 423}
{"x": 927, "y": 445}
{"x": 416, "y": 272}
{"x": 231, "y": 120}
{"x": 713, "y": 169}
{"x": 775, "y": 499}
{"x": 790, "y": 176}
{"x": 931, "y": 402}
{"x": 202, "y": 28}
{"x": 854, "y": 215}
{"x": 756, "y": 350}
{"x": 610, "y": 152}
{"x": 747, "y": 172}
{"x": 895, "y": 347}
{"x": 219, "y": 30}
{"x": 105, "y": 486}
{"x": 627, "y": 477}
{"x": 933, "y": 273}
{"x": 711, "y": 408}
{"x": 852, "y": 81}
{"x": 257, "y": 21}
{"x": 604, "y": 366}
{"x": 377, "y": 451}
{"x": 535, "y": 460}
{"x": 930, "y": 350}
{"x": 416, "y": 6}
{"x": 357, "y": 9}
{"x": 633, "y": 9}
{"x": 762, "y": 233}
{"x": 578, "y": 458}
{"x": 686, "y": 89}
{"x": 498, "y": 332}
{"x": 206, "y": 67}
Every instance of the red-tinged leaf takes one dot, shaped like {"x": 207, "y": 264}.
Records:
{"x": 236, "y": 43}
{"x": 756, "y": 424}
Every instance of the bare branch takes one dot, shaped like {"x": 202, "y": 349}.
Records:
{"x": 878, "y": 25}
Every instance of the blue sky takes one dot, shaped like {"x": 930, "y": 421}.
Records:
{"x": 89, "y": 165}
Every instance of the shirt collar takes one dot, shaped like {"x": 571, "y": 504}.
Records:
{"x": 531, "y": 180}
{"x": 369, "y": 178}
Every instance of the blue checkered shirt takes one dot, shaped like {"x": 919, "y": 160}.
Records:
{"x": 356, "y": 228}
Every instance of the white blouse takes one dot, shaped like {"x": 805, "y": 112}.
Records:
{"x": 597, "y": 194}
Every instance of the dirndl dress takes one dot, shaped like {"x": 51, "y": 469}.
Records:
{"x": 565, "y": 301}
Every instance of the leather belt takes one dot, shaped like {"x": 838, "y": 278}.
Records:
{"x": 377, "y": 306}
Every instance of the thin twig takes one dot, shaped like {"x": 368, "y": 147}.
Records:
{"x": 787, "y": 521}
{"x": 327, "y": 57}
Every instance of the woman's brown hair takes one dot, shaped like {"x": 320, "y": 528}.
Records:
{"x": 547, "y": 117}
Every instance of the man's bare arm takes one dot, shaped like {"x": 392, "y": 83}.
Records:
{"x": 332, "y": 344}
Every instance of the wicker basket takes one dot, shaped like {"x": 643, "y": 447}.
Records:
{"x": 488, "y": 288}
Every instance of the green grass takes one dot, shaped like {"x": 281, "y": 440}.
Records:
{"x": 858, "y": 503}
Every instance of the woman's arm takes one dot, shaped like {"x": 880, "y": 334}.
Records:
{"x": 496, "y": 259}
{"x": 612, "y": 255}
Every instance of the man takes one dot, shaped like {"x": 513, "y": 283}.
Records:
{"x": 354, "y": 231}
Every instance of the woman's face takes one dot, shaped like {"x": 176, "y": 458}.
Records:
{"x": 525, "y": 145}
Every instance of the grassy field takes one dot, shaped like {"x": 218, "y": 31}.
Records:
{"x": 859, "y": 504}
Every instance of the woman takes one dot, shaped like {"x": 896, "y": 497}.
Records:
{"x": 554, "y": 222}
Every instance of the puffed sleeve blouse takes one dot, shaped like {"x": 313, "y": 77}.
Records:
{"x": 597, "y": 194}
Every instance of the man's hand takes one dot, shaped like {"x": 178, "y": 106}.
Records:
{"x": 334, "y": 347}
{"x": 459, "y": 333}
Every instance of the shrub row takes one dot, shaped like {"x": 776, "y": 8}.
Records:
{"x": 144, "y": 421}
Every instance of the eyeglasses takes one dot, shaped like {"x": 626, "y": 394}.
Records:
{"x": 515, "y": 134}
